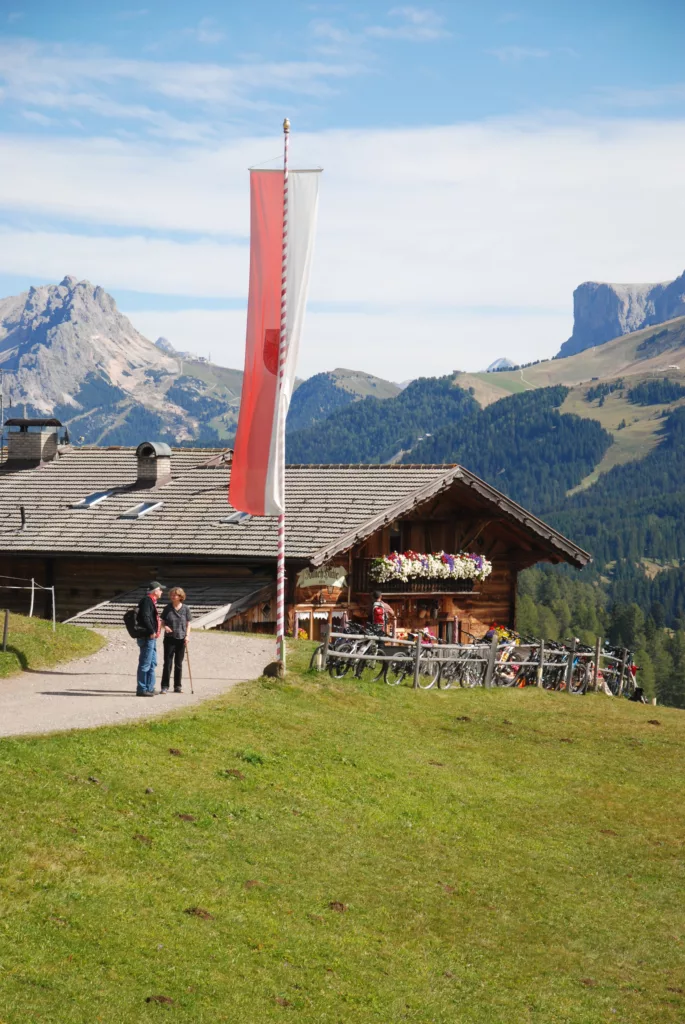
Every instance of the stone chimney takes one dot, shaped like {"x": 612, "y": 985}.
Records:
{"x": 154, "y": 464}
{"x": 32, "y": 441}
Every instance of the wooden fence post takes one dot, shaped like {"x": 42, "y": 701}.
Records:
{"x": 541, "y": 664}
{"x": 33, "y": 594}
{"x": 326, "y": 644}
{"x": 5, "y": 629}
{"x": 569, "y": 667}
{"x": 492, "y": 659}
{"x": 595, "y": 671}
{"x": 624, "y": 659}
{"x": 417, "y": 657}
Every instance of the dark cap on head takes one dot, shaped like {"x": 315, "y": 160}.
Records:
{"x": 154, "y": 585}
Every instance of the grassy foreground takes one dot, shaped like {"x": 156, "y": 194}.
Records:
{"x": 32, "y": 644}
{"x": 323, "y": 852}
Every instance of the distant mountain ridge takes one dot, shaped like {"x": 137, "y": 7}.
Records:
{"x": 604, "y": 311}
{"x": 67, "y": 351}
{"x": 500, "y": 364}
{"x": 324, "y": 393}
{"x": 53, "y": 337}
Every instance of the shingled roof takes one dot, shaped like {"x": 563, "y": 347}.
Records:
{"x": 329, "y": 507}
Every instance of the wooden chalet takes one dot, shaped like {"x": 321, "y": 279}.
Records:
{"x": 97, "y": 522}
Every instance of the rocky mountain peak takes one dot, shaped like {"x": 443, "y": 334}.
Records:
{"x": 603, "y": 311}
{"x": 54, "y": 336}
{"x": 500, "y": 364}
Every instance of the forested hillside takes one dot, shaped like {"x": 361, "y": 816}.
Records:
{"x": 373, "y": 430}
{"x": 634, "y": 511}
{"x": 316, "y": 399}
{"x": 320, "y": 396}
{"x": 558, "y": 605}
{"x": 631, "y": 519}
{"x": 523, "y": 446}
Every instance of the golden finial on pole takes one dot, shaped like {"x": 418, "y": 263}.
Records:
{"x": 286, "y": 126}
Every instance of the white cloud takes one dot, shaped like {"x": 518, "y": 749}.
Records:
{"x": 203, "y": 268}
{"x": 514, "y": 54}
{"x": 414, "y": 25}
{"x": 43, "y": 75}
{"x": 632, "y": 99}
{"x": 37, "y": 117}
{"x": 406, "y": 24}
{"x": 481, "y": 230}
{"x": 391, "y": 345}
{"x": 208, "y": 32}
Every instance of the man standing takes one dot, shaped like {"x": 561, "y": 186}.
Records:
{"x": 381, "y": 613}
{"x": 149, "y": 624}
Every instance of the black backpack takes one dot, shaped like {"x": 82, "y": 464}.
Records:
{"x": 131, "y": 623}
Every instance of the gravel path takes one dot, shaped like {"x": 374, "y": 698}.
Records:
{"x": 100, "y": 689}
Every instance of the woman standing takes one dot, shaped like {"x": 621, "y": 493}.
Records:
{"x": 176, "y": 619}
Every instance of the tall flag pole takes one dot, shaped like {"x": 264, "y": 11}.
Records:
{"x": 282, "y": 353}
{"x": 283, "y": 210}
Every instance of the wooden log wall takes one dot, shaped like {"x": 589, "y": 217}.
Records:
{"x": 81, "y": 583}
{"x": 494, "y": 600}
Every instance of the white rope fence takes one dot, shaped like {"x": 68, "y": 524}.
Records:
{"x": 33, "y": 587}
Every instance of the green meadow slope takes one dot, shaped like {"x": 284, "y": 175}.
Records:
{"x": 644, "y": 352}
{"x": 348, "y": 853}
{"x": 31, "y": 644}
{"x": 643, "y": 355}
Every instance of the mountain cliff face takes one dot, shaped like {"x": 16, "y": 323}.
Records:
{"x": 67, "y": 351}
{"x": 53, "y": 338}
{"x": 602, "y": 311}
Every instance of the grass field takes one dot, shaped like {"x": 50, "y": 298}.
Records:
{"x": 604, "y": 362}
{"x": 32, "y": 644}
{"x": 634, "y": 441}
{"x": 346, "y": 852}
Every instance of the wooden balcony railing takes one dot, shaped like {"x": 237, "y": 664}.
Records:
{"x": 363, "y": 584}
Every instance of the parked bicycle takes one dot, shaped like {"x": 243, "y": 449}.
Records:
{"x": 370, "y": 654}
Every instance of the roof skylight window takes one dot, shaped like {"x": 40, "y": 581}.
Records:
{"x": 141, "y": 510}
{"x": 237, "y": 517}
{"x": 91, "y": 499}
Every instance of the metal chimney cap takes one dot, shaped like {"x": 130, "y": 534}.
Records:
{"x": 17, "y": 421}
{"x": 153, "y": 450}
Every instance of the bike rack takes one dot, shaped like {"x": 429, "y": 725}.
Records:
{"x": 493, "y": 654}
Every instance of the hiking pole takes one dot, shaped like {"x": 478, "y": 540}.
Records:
{"x": 190, "y": 671}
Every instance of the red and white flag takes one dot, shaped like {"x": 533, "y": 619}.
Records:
{"x": 257, "y": 469}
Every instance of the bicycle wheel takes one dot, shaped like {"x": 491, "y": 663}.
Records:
{"x": 552, "y": 675}
{"x": 371, "y": 671}
{"x": 471, "y": 673}
{"x": 429, "y": 671}
{"x": 504, "y": 675}
{"x": 339, "y": 667}
{"x": 449, "y": 674}
{"x": 312, "y": 662}
{"x": 397, "y": 669}
{"x": 579, "y": 679}
{"x": 629, "y": 685}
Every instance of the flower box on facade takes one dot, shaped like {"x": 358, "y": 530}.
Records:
{"x": 438, "y": 565}
{"x": 425, "y": 586}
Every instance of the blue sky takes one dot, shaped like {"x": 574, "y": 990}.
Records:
{"x": 480, "y": 161}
